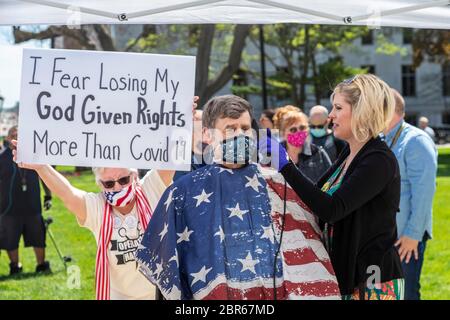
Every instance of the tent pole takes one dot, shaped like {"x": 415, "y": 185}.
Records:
{"x": 122, "y": 16}
{"x": 263, "y": 66}
{"x": 68, "y": 6}
{"x": 171, "y": 8}
{"x": 428, "y": 4}
{"x": 298, "y": 9}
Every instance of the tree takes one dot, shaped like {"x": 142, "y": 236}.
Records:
{"x": 298, "y": 48}
{"x": 433, "y": 45}
{"x": 92, "y": 37}
{"x": 218, "y": 49}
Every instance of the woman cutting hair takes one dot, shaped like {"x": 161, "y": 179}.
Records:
{"x": 358, "y": 197}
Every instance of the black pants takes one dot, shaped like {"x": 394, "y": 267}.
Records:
{"x": 12, "y": 227}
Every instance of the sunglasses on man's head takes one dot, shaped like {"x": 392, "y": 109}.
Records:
{"x": 111, "y": 183}
{"x": 299, "y": 128}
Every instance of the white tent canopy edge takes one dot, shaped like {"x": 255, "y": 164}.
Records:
{"x": 434, "y": 14}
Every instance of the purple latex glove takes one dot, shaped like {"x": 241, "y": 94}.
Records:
{"x": 272, "y": 152}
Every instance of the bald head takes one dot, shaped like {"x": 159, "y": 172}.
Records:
{"x": 399, "y": 103}
{"x": 319, "y": 111}
{"x": 318, "y": 115}
{"x": 423, "y": 122}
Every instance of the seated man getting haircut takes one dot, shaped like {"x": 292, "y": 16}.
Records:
{"x": 233, "y": 229}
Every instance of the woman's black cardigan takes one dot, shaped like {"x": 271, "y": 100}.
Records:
{"x": 363, "y": 211}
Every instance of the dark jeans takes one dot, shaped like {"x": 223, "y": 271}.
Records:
{"x": 412, "y": 270}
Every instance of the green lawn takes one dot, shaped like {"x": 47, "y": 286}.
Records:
{"x": 436, "y": 271}
{"x": 80, "y": 244}
{"x": 72, "y": 240}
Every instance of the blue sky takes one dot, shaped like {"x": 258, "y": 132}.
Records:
{"x": 10, "y": 65}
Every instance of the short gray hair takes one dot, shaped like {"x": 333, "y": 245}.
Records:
{"x": 98, "y": 170}
{"x": 227, "y": 106}
{"x": 319, "y": 110}
{"x": 424, "y": 120}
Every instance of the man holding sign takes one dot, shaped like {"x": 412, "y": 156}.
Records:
{"x": 110, "y": 111}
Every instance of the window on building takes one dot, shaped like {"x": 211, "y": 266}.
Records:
{"x": 281, "y": 93}
{"x": 239, "y": 81}
{"x": 411, "y": 118}
{"x": 240, "y": 78}
{"x": 369, "y": 67}
{"x": 407, "y": 35}
{"x": 446, "y": 80}
{"x": 408, "y": 81}
{"x": 367, "y": 38}
{"x": 446, "y": 117}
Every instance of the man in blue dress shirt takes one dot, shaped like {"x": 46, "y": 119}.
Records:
{"x": 417, "y": 159}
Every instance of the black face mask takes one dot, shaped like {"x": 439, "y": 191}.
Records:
{"x": 238, "y": 150}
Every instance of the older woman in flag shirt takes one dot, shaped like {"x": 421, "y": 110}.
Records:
{"x": 232, "y": 229}
{"x": 118, "y": 217}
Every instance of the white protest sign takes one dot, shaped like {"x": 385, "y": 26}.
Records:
{"x": 106, "y": 109}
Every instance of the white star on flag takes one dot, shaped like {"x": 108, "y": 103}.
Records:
{"x": 220, "y": 234}
{"x": 236, "y": 211}
{"x": 201, "y": 275}
{"x": 224, "y": 169}
{"x": 203, "y": 197}
{"x": 169, "y": 198}
{"x": 184, "y": 236}
{"x": 253, "y": 182}
{"x": 248, "y": 263}
{"x": 268, "y": 234}
{"x": 175, "y": 293}
{"x": 175, "y": 258}
{"x": 158, "y": 270}
{"x": 164, "y": 231}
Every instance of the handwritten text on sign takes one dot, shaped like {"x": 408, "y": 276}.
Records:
{"x": 108, "y": 109}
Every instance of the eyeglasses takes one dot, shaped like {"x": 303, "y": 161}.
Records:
{"x": 299, "y": 128}
{"x": 349, "y": 80}
{"x": 111, "y": 183}
{"x": 319, "y": 126}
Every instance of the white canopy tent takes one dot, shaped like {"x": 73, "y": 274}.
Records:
{"x": 432, "y": 14}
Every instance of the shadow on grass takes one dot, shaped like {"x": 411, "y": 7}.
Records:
{"x": 26, "y": 275}
{"x": 444, "y": 165}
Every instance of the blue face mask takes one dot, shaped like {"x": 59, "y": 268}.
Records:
{"x": 318, "y": 133}
{"x": 238, "y": 150}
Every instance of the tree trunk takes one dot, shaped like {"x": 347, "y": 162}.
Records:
{"x": 317, "y": 87}
{"x": 204, "y": 50}
{"x": 234, "y": 60}
{"x": 304, "y": 75}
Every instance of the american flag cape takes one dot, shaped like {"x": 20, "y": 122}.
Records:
{"x": 215, "y": 234}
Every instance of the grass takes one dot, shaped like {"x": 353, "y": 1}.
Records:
{"x": 80, "y": 244}
{"x": 436, "y": 270}
{"x": 72, "y": 240}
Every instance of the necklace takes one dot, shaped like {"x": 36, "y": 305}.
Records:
{"x": 23, "y": 178}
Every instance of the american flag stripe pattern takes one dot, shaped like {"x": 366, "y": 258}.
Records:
{"x": 215, "y": 234}
{"x": 102, "y": 274}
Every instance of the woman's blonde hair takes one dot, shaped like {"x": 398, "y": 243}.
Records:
{"x": 279, "y": 114}
{"x": 372, "y": 103}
